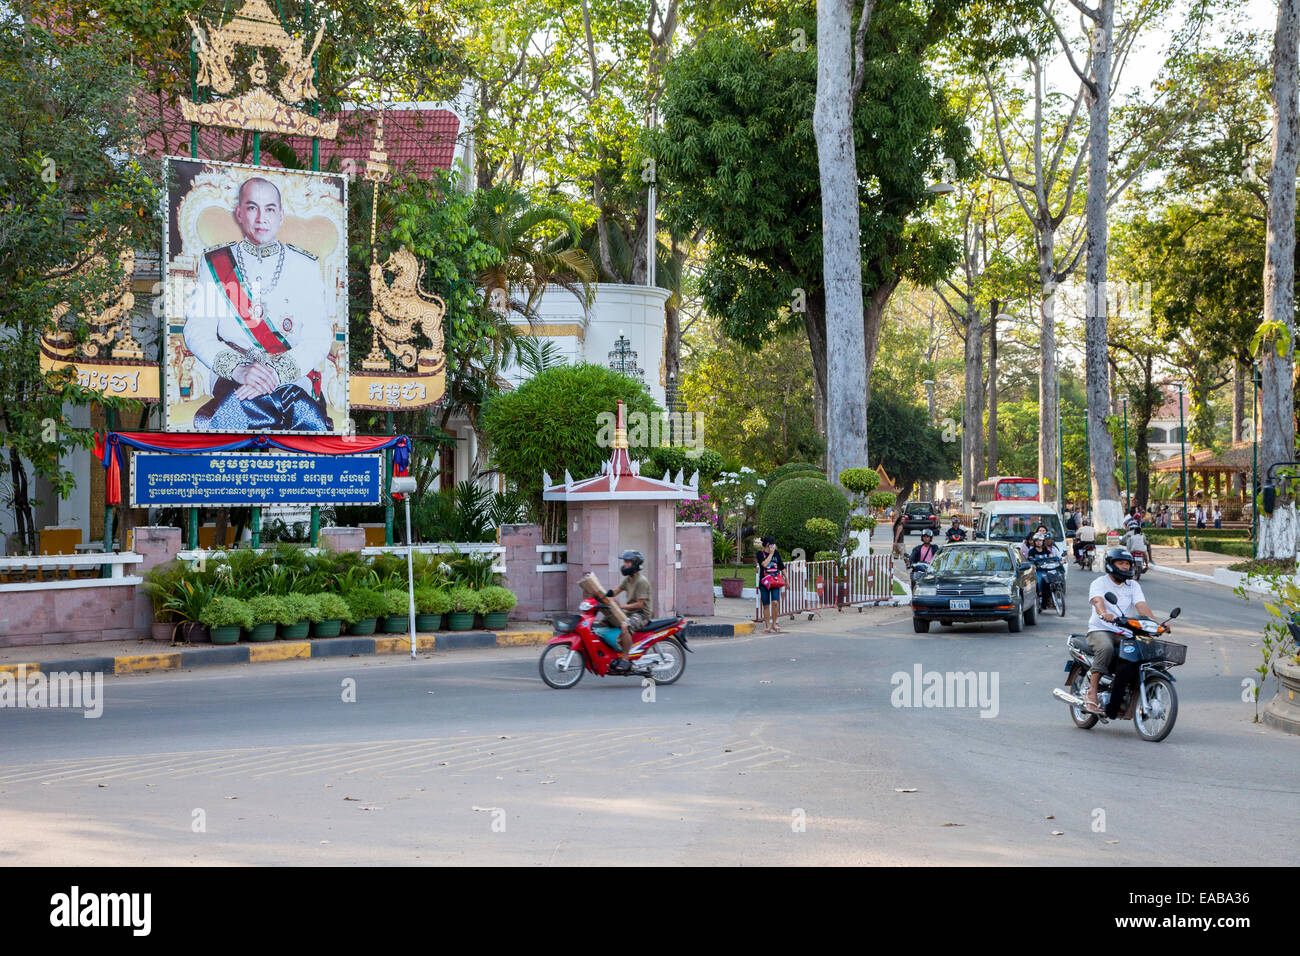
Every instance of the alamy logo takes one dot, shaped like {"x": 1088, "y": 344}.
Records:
{"x": 102, "y": 909}
{"x": 79, "y": 691}
{"x": 948, "y": 689}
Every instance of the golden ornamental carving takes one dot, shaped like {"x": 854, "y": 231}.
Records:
{"x": 255, "y": 25}
{"x": 399, "y": 308}
{"x": 258, "y": 109}
{"x": 107, "y": 318}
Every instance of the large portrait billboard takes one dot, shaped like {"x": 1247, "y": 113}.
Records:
{"x": 255, "y": 273}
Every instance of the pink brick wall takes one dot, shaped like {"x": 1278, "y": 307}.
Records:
{"x": 695, "y": 578}
{"x": 343, "y": 539}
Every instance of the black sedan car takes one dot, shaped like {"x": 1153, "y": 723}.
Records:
{"x": 972, "y": 581}
{"x": 919, "y": 516}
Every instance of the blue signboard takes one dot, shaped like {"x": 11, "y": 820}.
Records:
{"x": 254, "y": 478}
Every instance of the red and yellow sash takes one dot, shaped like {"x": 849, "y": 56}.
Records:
{"x": 221, "y": 263}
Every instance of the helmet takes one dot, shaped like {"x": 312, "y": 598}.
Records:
{"x": 637, "y": 559}
{"x": 927, "y": 533}
{"x": 1119, "y": 554}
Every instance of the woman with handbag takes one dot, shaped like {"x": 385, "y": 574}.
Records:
{"x": 771, "y": 579}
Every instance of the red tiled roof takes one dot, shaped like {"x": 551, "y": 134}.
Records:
{"x": 417, "y": 140}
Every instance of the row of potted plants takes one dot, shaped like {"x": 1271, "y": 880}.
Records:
{"x": 361, "y": 611}
{"x": 288, "y": 592}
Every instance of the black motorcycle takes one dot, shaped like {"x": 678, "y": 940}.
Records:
{"x": 1051, "y": 590}
{"x": 1155, "y": 706}
{"x": 1085, "y": 556}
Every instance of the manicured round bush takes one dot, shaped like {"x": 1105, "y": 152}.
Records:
{"x": 397, "y": 602}
{"x": 790, "y": 467}
{"x": 333, "y": 607}
{"x": 364, "y": 603}
{"x": 465, "y": 600}
{"x": 271, "y": 609}
{"x": 302, "y": 607}
{"x": 797, "y": 470}
{"x": 227, "y": 612}
{"x": 786, "y": 509}
{"x": 432, "y": 600}
{"x": 496, "y": 598}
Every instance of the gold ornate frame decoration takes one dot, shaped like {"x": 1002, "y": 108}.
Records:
{"x": 255, "y": 25}
{"x": 397, "y": 310}
{"x": 120, "y": 370}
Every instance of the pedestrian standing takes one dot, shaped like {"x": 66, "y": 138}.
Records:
{"x": 1218, "y": 517}
{"x": 1200, "y": 517}
{"x": 898, "y": 533}
{"x": 770, "y": 581}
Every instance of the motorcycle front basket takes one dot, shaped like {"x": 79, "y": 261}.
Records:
{"x": 564, "y": 623}
{"x": 1166, "y": 651}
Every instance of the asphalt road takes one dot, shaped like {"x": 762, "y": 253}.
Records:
{"x": 770, "y": 750}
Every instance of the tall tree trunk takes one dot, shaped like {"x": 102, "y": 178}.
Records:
{"x": 1240, "y": 372}
{"x": 814, "y": 320}
{"x": 994, "y": 307}
{"x": 972, "y": 436}
{"x": 1277, "y": 532}
{"x": 1048, "y": 439}
{"x": 1107, "y": 511}
{"x": 846, "y": 372}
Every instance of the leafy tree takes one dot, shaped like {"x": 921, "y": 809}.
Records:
{"x": 552, "y": 423}
{"x": 757, "y": 405}
{"x": 737, "y": 156}
{"x": 73, "y": 204}
{"x": 911, "y": 449}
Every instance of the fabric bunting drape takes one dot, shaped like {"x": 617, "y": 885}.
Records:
{"x": 108, "y": 448}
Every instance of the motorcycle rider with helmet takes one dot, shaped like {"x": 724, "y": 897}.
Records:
{"x": 924, "y": 552}
{"x": 956, "y": 532}
{"x": 638, "y": 608}
{"x": 1103, "y": 635}
{"x": 1043, "y": 550}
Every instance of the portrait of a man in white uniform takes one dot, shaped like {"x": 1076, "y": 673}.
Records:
{"x": 257, "y": 299}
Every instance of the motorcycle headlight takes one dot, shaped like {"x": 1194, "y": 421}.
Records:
{"x": 926, "y": 590}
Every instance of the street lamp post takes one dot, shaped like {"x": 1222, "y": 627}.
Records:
{"x": 405, "y": 486}
{"x": 929, "y": 384}
{"x": 1182, "y": 437}
{"x": 1255, "y": 380}
{"x": 1128, "y": 497}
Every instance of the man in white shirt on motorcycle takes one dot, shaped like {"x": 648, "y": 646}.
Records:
{"x": 1102, "y": 632}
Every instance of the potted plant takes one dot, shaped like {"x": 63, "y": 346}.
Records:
{"x": 301, "y": 611}
{"x": 267, "y": 610}
{"x": 334, "y": 611}
{"x": 431, "y": 604}
{"x": 225, "y": 617}
{"x": 464, "y": 605}
{"x": 397, "y": 607}
{"x": 160, "y": 584}
{"x": 366, "y": 606}
{"x": 186, "y": 604}
{"x": 496, "y": 602}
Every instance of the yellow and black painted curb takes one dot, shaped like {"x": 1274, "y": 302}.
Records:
{"x": 320, "y": 647}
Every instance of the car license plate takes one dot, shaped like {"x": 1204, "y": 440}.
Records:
{"x": 963, "y": 605}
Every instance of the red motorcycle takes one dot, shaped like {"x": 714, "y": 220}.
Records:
{"x": 581, "y": 644}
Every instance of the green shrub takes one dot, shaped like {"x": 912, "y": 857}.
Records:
{"x": 161, "y": 585}
{"x": 826, "y": 556}
{"x": 666, "y": 460}
{"x": 786, "y": 510}
{"x": 790, "y": 467}
{"x": 364, "y": 603}
{"x": 333, "y": 607}
{"x": 495, "y": 598}
{"x": 464, "y": 600}
{"x": 390, "y": 568}
{"x": 724, "y": 547}
{"x": 430, "y": 600}
{"x": 227, "y": 612}
{"x": 271, "y": 609}
{"x": 303, "y": 607}
{"x": 397, "y": 602}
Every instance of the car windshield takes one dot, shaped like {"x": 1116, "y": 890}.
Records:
{"x": 973, "y": 560}
{"x": 917, "y": 509}
{"x": 1017, "y": 527}
{"x": 1024, "y": 490}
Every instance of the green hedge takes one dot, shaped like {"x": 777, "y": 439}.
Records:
{"x": 1230, "y": 534}
{"x": 1240, "y": 549}
{"x": 786, "y": 508}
